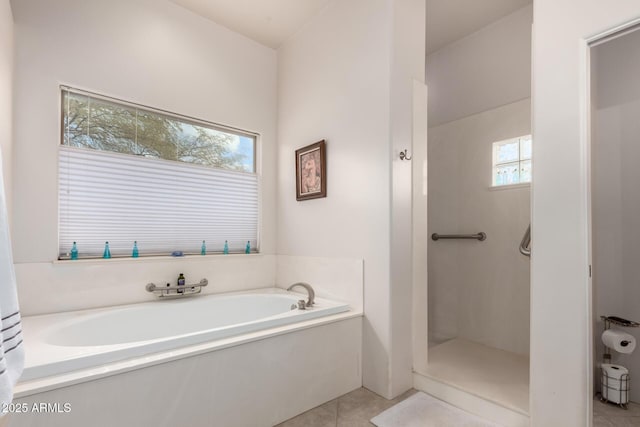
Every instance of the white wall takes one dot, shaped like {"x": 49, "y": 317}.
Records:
{"x": 420, "y": 233}
{"x": 407, "y": 69}
{"x": 150, "y": 52}
{"x": 6, "y": 96}
{"x": 54, "y": 287}
{"x": 560, "y": 287}
{"x": 487, "y": 69}
{"x": 345, "y": 78}
{"x": 616, "y": 202}
{"x": 478, "y": 290}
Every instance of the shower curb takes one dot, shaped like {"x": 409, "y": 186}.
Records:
{"x": 469, "y": 402}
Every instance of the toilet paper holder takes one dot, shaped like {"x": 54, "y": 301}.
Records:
{"x": 608, "y": 320}
{"x": 621, "y": 385}
{"x": 618, "y": 321}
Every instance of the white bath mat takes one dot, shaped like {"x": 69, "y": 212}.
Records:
{"x": 422, "y": 410}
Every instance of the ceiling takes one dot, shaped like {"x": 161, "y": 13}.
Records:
{"x": 451, "y": 20}
{"x": 271, "y": 22}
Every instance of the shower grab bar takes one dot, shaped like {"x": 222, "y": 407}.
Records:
{"x": 478, "y": 236}
{"x": 525, "y": 243}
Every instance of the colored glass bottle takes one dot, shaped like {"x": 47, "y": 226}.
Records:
{"x": 107, "y": 253}
{"x": 74, "y": 251}
{"x": 134, "y": 252}
{"x": 225, "y": 250}
{"x": 247, "y": 249}
{"x": 203, "y": 249}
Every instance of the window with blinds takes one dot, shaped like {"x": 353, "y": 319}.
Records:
{"x": 129, "y": 174}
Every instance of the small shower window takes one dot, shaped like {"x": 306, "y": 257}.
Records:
{"x": 512, "y": 161}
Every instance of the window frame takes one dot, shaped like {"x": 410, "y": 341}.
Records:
{"x": 520, "y": 160}
{"x": 257, "y": 169}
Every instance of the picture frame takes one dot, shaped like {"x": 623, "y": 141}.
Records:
{"x": 311, "y": 171}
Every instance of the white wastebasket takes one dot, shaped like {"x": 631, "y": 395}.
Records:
{"x": 615, "y": 383}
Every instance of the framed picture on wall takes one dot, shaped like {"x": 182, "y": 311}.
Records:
{"x": 311, "y": 171}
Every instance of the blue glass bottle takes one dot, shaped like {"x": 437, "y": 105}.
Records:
{"x": 225, "y": 250}
{"x": 203, "y": 249}
{"x": 247, "y": 249}
{"x": 74, "y": 251}
{"x": 135, "y": 253}
{"x": 107, "y": 253}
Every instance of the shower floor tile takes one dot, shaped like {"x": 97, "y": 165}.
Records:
{"x": 495, "y": 375}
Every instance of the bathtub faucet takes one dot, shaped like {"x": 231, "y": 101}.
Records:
{"x": 312, "y": 294}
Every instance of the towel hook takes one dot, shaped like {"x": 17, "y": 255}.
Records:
{"x": 404, "y": 156}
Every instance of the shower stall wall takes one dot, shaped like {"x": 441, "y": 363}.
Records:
{"x": 478, "y": 290}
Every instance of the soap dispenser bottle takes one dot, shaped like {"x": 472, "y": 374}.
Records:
{"x": 135, "y": 253}
{"x": 181, "y": 282}
{"x": 247, "y": 249}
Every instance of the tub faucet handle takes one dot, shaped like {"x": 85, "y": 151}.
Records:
{"x": 302, "y": 305}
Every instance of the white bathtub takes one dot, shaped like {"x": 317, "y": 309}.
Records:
{"x": 67, "y": 342}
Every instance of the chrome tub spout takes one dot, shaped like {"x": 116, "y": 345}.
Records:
{"x": 310, "y": 292}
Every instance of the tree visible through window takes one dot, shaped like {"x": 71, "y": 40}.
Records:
{"x": 512, "y": 161}
{"x": 91, "y": 122}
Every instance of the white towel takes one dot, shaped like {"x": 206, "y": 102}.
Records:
{"x": 11, "y": 348}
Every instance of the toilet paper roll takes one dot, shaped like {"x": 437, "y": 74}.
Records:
{"x": 618, "y": 340}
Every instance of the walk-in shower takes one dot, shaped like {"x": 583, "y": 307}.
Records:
{"x": 478, "y": 267}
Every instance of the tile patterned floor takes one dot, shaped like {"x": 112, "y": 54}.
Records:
{"x": 609, "y": 415}
{"x": 354, "y": 409}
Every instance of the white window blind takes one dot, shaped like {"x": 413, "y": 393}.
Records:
{"x": 164, "y": 205}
